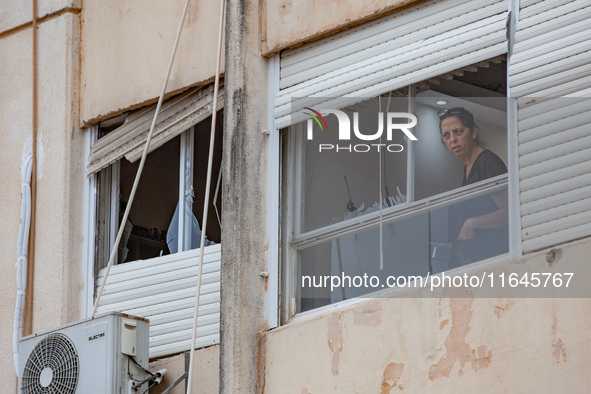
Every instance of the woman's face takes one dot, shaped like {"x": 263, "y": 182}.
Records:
{"x": 457, "y": 137}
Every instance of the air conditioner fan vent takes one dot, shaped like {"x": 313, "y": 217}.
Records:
{"x": 52, "y": 367}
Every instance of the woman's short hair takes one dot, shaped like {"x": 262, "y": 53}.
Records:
{"x": 463, "y": 115}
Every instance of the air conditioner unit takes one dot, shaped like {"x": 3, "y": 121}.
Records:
{"x": 91, "y": 356}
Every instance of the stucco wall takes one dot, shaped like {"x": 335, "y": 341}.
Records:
{"x": 440, "y": 345}
{"x": 58, "y": 238}
{"x": 57, "y": 280}
{"x": 206, "y": 372}
{"x": 286, "y": 23}
{"x": 244, "y": 243}
{"x": 15, "y": 13}
{"x": 15, "y": 127}
{"x": 126, "y": 47}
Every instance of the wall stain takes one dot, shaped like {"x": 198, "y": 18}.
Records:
{"x": 335, "y": 341}
{"x": 443, "y": 324}
{"x": 559, "y": 349}
{"x": 501, "y": 309}
{"x": 457, "y": 349}
{"x": 305, "y": 391}
{"x": 192, "y": 13}
{"x": 391, "y": 376}
{"x": 368, "y": 315}
{"x": 480, "y": 358}
{"x": 553, "y": 256}
{"x": 261, "y": 360}
{"x": 285, "y": 7}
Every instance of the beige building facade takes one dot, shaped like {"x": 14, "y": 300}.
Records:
{"x": 81, "y": 79}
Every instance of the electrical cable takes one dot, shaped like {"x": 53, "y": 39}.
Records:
{"x": 21, "y": 264}
{"x": 176, "y": 383}
{"x": 207, "y": 190}
{"x": 152, "y": 375}
{"x": 388, "y": 195}
{"x": 149, "y": 387}
{"x": 27, "y": 326}
{"x": 142, "y": 162}
{"x": 380, "y": 193}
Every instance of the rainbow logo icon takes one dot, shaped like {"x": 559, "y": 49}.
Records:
{"x": 316, "y": 115}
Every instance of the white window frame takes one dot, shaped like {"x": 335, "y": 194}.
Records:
{"x": 91, "y": 190}
{"x": 89, "y": 193}
{"x": 186, "y": 162}
{"x": 294, "y": 242}
{"x": 272, "y": 307}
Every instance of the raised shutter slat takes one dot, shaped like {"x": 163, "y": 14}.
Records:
{"x": 176, "y": 115}
{"x": 550, "y": 62}
{"x": 390, "y": 53}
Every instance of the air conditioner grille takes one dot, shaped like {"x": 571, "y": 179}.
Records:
{"x": 52, "y": 367}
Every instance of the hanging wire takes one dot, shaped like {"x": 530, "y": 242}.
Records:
{"x": 207, "y": 189}
{"x": 380, "y": 188}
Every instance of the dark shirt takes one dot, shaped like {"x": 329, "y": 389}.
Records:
{"x": 486, "y": 165}
{"x": 486, "y": 242}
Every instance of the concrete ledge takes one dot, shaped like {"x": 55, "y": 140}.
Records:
{"x": 445, "y": 345}
{"x": 289, "y": 23}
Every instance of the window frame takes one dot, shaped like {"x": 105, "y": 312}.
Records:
{"x": 165, "y": 268}
{"x": 90, "y": 265}
{"x": 186, "y": 160}
{"x": 293, "y": 242}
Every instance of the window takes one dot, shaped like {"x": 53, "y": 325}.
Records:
{"x": 334, "y": 225}
{"x": 166, "y": 214}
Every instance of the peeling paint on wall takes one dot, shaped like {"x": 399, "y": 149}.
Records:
{"x": 559, "y": 349}
{"x": 368, "y": 315}
{"x": 191, "y": 14}
{"x": 392, "y": 374}
{"x": 335, "y": 341}
{"x": 261, "y": 360}
{"x": 481, "y": 358}
{"x": 285, "y": 7}
{"x": 501, "y": 309}
{"x": 457, "y": 349}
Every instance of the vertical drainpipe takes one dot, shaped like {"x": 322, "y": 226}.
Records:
{"x": 28, "y": 315}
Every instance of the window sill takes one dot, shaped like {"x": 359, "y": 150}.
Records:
{"x": 364, "y": 222}
{"x": 406, "y": 292}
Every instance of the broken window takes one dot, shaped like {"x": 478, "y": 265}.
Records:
{"x": 167, "y": 212}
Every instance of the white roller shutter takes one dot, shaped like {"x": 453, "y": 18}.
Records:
{"x": 163, "y": 290}
{"x": 420, "y": 42}
{"x": 549, "y": 68}
{"x": 176, "y": 115}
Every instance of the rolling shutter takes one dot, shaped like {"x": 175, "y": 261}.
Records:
{"x": 176, "y": 115}
{"x": 550, "y": 73}
{"x": 163, "y": 291}
{"x": 418, "y": 43}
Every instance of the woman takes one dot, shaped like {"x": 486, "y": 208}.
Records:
{"x": 483, "y": 232}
